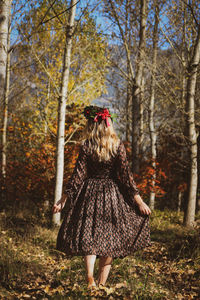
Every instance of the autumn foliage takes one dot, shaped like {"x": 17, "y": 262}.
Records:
{"x": 30, "y": 173}
{"x": 147, "y": 174}
{"x": 144, "y": 179}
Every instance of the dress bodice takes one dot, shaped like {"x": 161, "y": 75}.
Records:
{"x": 98, "y": 169}
{"x": 116, "y": 168}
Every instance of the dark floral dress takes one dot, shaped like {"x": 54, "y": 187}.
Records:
{"x": 100, "y": 215}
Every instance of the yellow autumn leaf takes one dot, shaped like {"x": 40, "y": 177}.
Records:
{"x": 47, "y": 289}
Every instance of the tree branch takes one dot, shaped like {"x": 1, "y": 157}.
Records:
{"x": 60, "y": 13}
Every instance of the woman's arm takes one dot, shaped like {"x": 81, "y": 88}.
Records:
{"x": 124, "y": 174}
{"x": 75, "y": 182}
{"x": 78, "y": 176}
{"x": 128, "y": 184}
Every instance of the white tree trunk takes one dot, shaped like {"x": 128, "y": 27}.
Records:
{"x": 5, "y": 112}
{"x": 180, "y": 195}
{"x": 137, "y": 88}
{"x": 183, "y": 58}
{"x": 5, "y": 77}
{"x": 46, "y": 107}
{"x": 128, "y": 104}
{"x": 141, "y": 120}
{"x": 192, "y": 136}
{"x": 4, "y": 21}
{"x": 62, "y": 108}
{"x": 153, "y": 135}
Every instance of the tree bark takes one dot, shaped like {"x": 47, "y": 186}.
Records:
{"x": 46, "y": 107}
{"x": 141, "y": 118}
{"x": 180, "y": 195}
{"x": 198, "y": 169}
{"x": 128, "y": 104}
{"x": 4, "y": 21}
{"x": 183, "y": 49}
{"x": 128, "y": 90}
{"x": 62, "y": 109}
{"x": 135, "y": 130}
{"x": 5, "y": 111}
{"x": 5, "y": 29}
{"x": 153, "y": 135}
{"x": 192, "y": 135}
{"x": 137, "y": 88}
{"x": 183, "y": 82}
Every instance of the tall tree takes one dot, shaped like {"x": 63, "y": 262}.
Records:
{"x": 4, "y": 21}
{"x": 5, "y": 108}
{"x": 192, "y": 134}
{"x": 137, "y": 91}
{"x": 152, "y": 130}
{"x": 5, "y": 8}
{"x": 62, "y": 108}
{"x": 182, "y": 8}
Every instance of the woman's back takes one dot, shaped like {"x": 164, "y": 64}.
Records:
{"x": 96, "y": 168}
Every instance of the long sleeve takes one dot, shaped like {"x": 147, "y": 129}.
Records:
{"x": 78, "y": 176}
{"x": 124, "y": 174}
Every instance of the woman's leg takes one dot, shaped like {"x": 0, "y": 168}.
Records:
{"x": 104, "y": 268}
{"x": 89, "y": 265}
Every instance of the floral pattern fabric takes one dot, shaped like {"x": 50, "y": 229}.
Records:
{"x": 100, "y": 215}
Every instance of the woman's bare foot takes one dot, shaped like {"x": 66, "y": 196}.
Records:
{"x": 91, "y": 282}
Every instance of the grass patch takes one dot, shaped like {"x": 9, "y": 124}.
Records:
{"x": 31, "y": 267}
{"x": 180, "y": 242}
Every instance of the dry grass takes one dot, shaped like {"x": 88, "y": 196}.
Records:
{"x": 32, "y": 268}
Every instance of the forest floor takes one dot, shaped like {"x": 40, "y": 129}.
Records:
{"x": 31, "y": 268}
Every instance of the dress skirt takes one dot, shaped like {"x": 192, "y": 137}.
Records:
{"x": 102, "y": 221}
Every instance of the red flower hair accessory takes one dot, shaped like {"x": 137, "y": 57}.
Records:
{"x": 97, "y": 113}
{"x": 103, "y": 115}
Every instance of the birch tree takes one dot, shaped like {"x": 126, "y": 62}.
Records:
{"x": 5, "y": 8}
{"x": 5, "y": 110}
{"x": 62, "y": 107}
{"x": 4, "y": 20}
{"x": 137, "y": 93}
{"x": 153, "y": 135}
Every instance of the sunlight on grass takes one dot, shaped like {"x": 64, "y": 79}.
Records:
{"x": 32, "y": 268}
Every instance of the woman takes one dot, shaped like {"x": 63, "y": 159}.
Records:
{"x": 105, "y": 217}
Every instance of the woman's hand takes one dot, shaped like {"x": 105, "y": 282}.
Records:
{"x": 59, "y": 205}
{"x": 57, "y": 208}
{"x": 143, "y": 207}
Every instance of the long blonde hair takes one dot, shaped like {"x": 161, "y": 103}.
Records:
{"x": 102, "y": 140}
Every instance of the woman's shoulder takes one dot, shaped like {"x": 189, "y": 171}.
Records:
{"x": 84, "y": 143}
{"x": 121, "y": 145}
{"x": 121, "y": 151}
{"x": 84, "y": 146}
